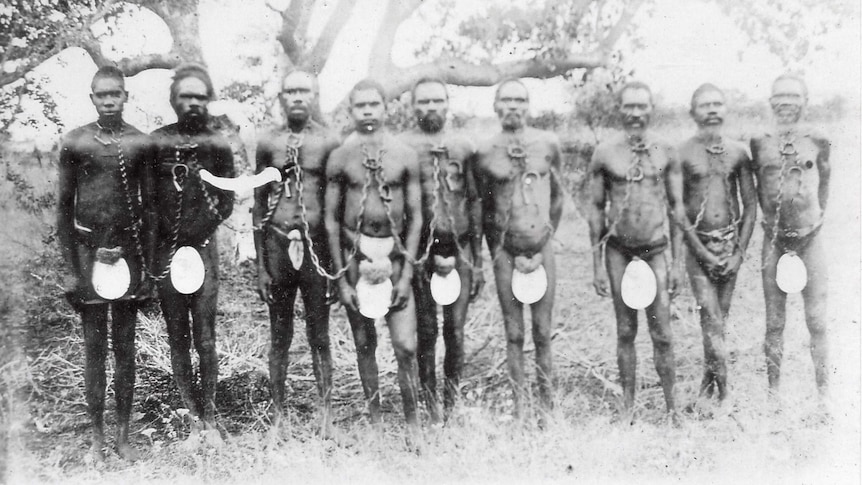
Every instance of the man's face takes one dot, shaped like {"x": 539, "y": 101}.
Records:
{"x": 108, "y": 97}
{"x": 297, "y": 96}
{"x": 512, "y": 105}
{"x": 191, "y": 100}
{"x": 430, "y": 105}
{"x": 636, "y": 108}
{"x": 787, "y": 100}
{"x": 367, "y": 109}
{"x": 709, "y": 109}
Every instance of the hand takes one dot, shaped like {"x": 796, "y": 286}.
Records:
{"x": 601, "y": 283}
{"x": 347, "y": 296}
{"x": 477, "y": 281}
{"x": 732, "y": 264}
{"x": 74, "y": 291}
{"x": 400, "y": 293}
{"x": 146, "y": 289}
{"x": 673, "y": 279}
{"x": 710, "y": 263}
{"x": 264, "y": 286}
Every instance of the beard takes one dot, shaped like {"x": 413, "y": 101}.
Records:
{"x": 512, "y": 121}
{"x": 298, "y": 114}
{"x": 787, "y": 113}
{"x": 431, "y": 123}
{"x": 630, "y": 121}
{"x": 712, "y": 120}
{"x": 367, "y": 126}
{"x": 194, "y": 121}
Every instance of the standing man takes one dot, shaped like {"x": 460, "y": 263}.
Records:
{"x": 716, "y": 175}
{"x": 190, "y": 211}
{"x": 452, "y": 223}
{"x": 373, "y": 219}
{"x": 791, "y": 165}
{"x": 518, "y": 175}
{"x": 105, "y": 225}
{"x": 639, "y": 178}
{"x": 290, "y": 237}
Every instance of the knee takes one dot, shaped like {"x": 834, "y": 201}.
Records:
{"x": 626, "y": 336}
{"x": 318, "y": 340}
{"x": 515, "y": 337}
{"x": 405, "y": 349}
{"x": 661, "y": 341}
{"x": 365, "y": 346}
{"x": 541, "y": 336}
{"x": 206, "y": 346}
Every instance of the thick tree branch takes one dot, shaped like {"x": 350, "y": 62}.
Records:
{"x": 138, "y": 64}
{"x": 629, "y": 11}
{"x": 397, "y": 11}
{"x": 462, "y": 73}
{"x": 316, "y": 60}
{"x": 287, "y": 36}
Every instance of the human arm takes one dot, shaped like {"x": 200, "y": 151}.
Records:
{"x": 824, "y": 168}
{"x": 748, "y": 194}
{"x": 413, "y": 219}
{"x": 149, "y": 214}
{"x": 596, "y": 220}
{"x": 556, "y": 210}
{"x": 332, "y": 205}
{"x": 67, "y": 186}
{"x": 474, "y": 210}
{"x": 676, "y": 213}
{"x": 263, "y": 159}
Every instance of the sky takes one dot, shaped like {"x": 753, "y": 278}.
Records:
{"x": 686, "y": 43}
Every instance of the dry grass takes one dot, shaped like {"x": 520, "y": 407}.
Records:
{"x": 753, "y": 440}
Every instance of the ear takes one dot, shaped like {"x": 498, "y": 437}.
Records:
{"x": 92, "y": 98}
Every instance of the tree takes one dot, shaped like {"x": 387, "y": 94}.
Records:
{"x": 506, "y": 39}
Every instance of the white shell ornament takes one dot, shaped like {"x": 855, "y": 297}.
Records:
{"x": 187, "y": 270}
{"x": 445, "y": 289}
{"x": 111, "y": 281}
{"x": 790, "y": 273}
{"x": 638, "y": 286}
{"x": 530, "y": 287}
{"x": 373, "y": 298}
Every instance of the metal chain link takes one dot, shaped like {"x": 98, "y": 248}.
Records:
{"x": 634, "y": 173}
{"x": 127, "y": 191}
{"x": 783, "y": 151}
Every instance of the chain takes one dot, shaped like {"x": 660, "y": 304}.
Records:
{"x": 634, "y": 173}
{"x": 518, "y": 157}
{"x": 716, "y": 151}
{"x": 786, "y": 147}
{"x": 291, "y": 164}
{"x": 124, "y": 179}
{"x": 175, "y": 232}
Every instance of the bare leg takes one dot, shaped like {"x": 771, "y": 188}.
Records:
{"x": 542, "y": 316}
{"x": 317, "y": 331}
{"x": 710, "y": 298}
{"x": 815, "y": 296}
{"x": 775, "y": 316}
{"x": 95, "y": 320}
{"x": 365, "y": 340}
{"x": 454, "y": 318}
{"x": 123, "y": 316}
{"x": 175, "y": 310}
{"x": 427, "y": 330}
{"x": 627, "y": 327}
{"x": 402, "y": 330}
{"x": 513, "y": 318}
{"x": 658, "y": 319}
{"x": 204, "y": 307}
{"x": 281, "y": 336}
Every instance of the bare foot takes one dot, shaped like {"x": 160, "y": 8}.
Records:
{"x": 96, "y": 453}
{"x": 128, "y": 453}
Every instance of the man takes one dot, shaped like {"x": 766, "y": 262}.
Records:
{"x": 452, "y": 213}
{"x": 373, "y": 220}
{"x": 290, "y": 237}
{"x": 518, "y": 174}
{"x": 640, "y": 178}
{"x": 716, "y": 174}
{"x": 190, "y": 211}
{"x": 791, "y": 165}
{"x": 104, "y": 222}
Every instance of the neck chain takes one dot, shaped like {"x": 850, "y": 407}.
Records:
{"x": 716, "y": 154}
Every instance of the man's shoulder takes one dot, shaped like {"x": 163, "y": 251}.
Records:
{"x": 71, "y": 137}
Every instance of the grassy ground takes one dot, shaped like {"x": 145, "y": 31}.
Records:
{"x": 753, "y": 440}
